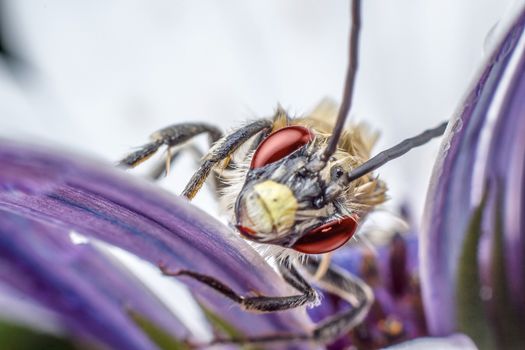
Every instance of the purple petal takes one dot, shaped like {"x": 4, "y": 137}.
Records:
{"x": 17, "y": 309}
{"x": 100, "y": 201}
{"x": 85, "y": 289}
{"x": 483, "y": 152}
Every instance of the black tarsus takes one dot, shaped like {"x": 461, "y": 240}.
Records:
{"x": 170, "y": 136}
{"x": 329, "y": 329}
{"x": 257, "y": 303}
{"x": 143, "y": 153}
{"x": 396, "y": 151}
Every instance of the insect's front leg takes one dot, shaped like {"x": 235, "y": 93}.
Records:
{"x": 170, "y": 136}
{"x": 177, "y": 134}
{"x": 222, "y": 150}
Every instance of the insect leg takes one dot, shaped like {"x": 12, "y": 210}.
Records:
{"x": 160, "y": 169}
{"x": 336, "y": 281}
{"x": 324, "y": 265}
{"x": 350, "y": 288}
{"x": 222, "y": 150}
{"x": 170, "y": 136}
{"x": 258, "y": 303}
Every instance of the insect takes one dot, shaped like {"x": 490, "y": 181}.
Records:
{"x": 297, "y": 186}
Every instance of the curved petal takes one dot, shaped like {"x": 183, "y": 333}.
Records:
{"x": 483, "y": 154}
{"x": 20, "y": 310}
{"x": 91, "y": 295}
{"x": 99, "y": 201}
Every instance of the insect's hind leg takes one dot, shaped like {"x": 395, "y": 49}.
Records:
{"x": 170, "y": 136}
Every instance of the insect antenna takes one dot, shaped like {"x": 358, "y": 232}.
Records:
{"x": 396, "y": 151}
{"x": 389, "y": 154}
{"x": 349, "y": 82}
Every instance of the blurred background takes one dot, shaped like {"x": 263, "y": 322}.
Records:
{"x": 98, "y": 77}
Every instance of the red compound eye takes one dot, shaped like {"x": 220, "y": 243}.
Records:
{"x": 327, "y": 237}
{"x": 280, "y": 144}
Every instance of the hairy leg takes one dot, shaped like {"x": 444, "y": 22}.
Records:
{"x": 335, "y": 280}
{"x": 258, "y": 303}
{"x": 177, "y": 134}
{"x": 222, "y": 150}
{"x": 351, "y": 289}
{"x": 170, "y": 136}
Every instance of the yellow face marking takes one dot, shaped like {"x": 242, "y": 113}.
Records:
{"x": 279, "y": 203}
